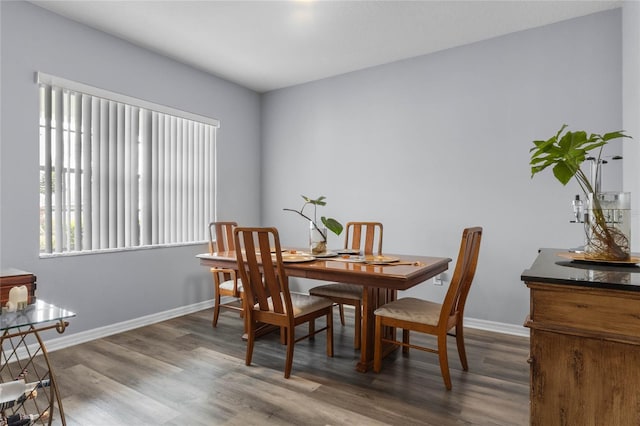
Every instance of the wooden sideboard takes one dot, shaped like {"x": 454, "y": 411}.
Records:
{"x": 584, "y": 323}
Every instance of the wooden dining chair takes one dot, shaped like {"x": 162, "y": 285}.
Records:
{"x": 225, "y": 281}
{"x": 267, "y": 296}
{"x": 412, "y": 314}
{"x": 360, "y": 236}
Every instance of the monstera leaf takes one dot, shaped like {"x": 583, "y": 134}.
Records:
{"x": 566, "y": 153}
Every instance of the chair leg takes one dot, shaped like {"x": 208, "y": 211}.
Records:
{"x": 461, "y": 350}
{"x": 444, "y": 361}
{"x": 341, "y": 309}
{"x": 290, "y": 344}
{"x": 405, "y": 339}
{"x": 245, "y": 317}
{"x": 242, "y": 306}
{"x": 330, "y": 333}
{"x": 216, "y": 309}
{"x": 357, "y": 337}
{"x": 312, "y": 329}
{"x": 251, "y": 333}
{"x": 377, "y": 348}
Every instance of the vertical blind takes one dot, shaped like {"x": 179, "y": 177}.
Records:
{"x": 117, "y": 172}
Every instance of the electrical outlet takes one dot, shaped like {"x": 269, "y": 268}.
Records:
{"x": 437, "y": 280}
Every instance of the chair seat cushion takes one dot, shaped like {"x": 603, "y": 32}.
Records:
{"x": 303, "y": 303}
{"x": 338, "y": 290}
{"x": 228, "y": 285}
{"x": 411, "y": 309}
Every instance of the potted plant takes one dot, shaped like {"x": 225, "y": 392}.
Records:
{"x": 566, "y": 151}
{"x": 317, "y": 234}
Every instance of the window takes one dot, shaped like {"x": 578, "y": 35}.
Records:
{"x": 117, "y": 172}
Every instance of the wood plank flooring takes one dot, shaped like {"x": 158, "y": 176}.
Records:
{"x": 184, "y": 372}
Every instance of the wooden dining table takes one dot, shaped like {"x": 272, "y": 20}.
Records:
{"x": 380, "y": 283}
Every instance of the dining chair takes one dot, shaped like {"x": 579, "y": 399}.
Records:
{"x": 225, "y": 281}
{"x": 267, "y": 296}
{"x": 412, "y": 314}
{"x": 359, "y": 236}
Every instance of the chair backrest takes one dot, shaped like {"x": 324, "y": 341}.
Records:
{"x": 259, "y": 257}
{"x": 363, "y": 235}
{"x": 463, "y": 274}
{"x": 221, "y": 236}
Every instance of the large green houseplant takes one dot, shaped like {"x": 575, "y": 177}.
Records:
{"x": 330, "y": 223}
{"x": 566, "y": 151}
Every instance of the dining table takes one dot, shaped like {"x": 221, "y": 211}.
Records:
{"x": 380, "y": 282}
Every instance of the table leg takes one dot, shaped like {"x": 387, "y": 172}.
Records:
{"x": 373, "y": 298}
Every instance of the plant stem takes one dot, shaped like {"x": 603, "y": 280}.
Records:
{"x": 324, "y": 236}
{"x": 608, "y": 241}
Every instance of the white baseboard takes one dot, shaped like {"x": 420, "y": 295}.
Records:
{"x": 497, "y": 327}
{"x": 100, "y": 332}
{"x": 97, "y": 333}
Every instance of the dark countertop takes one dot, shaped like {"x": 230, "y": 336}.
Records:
{"x": 552, "y": 269}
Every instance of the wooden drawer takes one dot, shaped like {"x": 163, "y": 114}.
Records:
{"x": 10, "y": 278}
{"x": 614, "y": 315}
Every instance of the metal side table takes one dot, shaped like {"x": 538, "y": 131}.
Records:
{"x": 28, "y": 388}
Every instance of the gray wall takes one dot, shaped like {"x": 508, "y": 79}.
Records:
{"x": 631, "y": 109}
{"x": 427, "y": 146}
{"x": 110, "y": 288}
{"x": 437, "y": 143}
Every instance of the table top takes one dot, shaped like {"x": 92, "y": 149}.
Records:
{"x": 551, "y": 268}
{"x": 39, "y": 312}
{"x": 13, "y": 272}
{"x": 410, "y": 270}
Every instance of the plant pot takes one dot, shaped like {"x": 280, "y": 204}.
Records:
{"x": 317, "y": 239}
{"x": 608, "y": 226}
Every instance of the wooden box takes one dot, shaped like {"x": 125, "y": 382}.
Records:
{"x": 10, "y": 278}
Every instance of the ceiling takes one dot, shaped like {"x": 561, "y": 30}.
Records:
{"x": 266, "y": 45}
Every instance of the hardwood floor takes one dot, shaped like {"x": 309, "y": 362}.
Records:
{"x": 184, "y": 372}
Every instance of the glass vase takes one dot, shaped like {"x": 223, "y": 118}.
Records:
{"x": 317, "y": 239}
{"x": 608, "y": 226}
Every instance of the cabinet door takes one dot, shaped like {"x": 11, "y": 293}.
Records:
{"x": 583, "y": 381}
